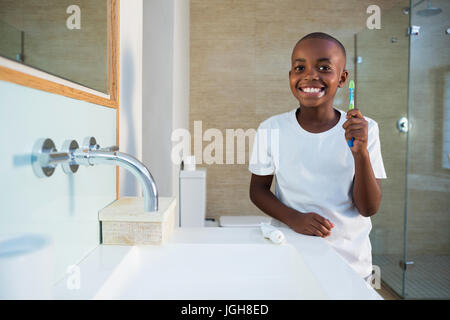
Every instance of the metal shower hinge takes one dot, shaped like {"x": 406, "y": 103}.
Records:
{"x": 414, "y": 30}
{"x": 405, "y": 265}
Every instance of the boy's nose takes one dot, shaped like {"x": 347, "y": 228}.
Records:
{"x": 311, "y": 74}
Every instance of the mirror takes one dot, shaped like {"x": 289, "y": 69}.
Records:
{"x": 66, "y": 38}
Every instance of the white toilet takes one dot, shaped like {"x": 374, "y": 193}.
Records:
{"x": 243, "y": 221}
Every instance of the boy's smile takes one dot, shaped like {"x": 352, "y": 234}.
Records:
{"x": 317, "y": 71}
{"x": 309, "y": 91}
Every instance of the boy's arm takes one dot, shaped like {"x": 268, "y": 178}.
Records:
{"x": 307, "y": 223}
{"x": 366, "y": 188}
{"x": 265, "y": 200}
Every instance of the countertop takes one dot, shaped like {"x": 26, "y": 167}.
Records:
{"x": 102, "y": 270}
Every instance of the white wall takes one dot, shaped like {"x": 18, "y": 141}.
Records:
{"x": 166, "y": 86}
{"x": 62, "y": 207}
{"x": 157, "y": 96}
{"x": 181, "y": 66}
{"x": 130, "y": 91}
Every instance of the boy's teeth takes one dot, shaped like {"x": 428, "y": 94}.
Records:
{"x": 311, "y": 89}
{"x": 320, "y": 91}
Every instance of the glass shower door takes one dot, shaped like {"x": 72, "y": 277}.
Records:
{"x": 427, "y": 254}
{"x": 381, "y": 79}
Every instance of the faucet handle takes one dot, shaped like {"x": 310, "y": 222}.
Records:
{"x": 90, "y": 143}
{"x": 43, "y": 150}
{"x": 70, "y": 166}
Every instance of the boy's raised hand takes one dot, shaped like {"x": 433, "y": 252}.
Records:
{"x": 356, "y": 127}
{"x": 311, "y": 223}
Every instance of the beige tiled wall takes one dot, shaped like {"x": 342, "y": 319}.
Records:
{"x": 240, "y": 59}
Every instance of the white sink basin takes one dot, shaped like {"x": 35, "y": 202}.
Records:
{"x": 218, "y": 263}
{"x": 212, "y": 271}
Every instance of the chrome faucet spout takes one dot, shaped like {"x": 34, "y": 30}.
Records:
{"x": 45, "y": 158}
{"x": 137, "y": 168}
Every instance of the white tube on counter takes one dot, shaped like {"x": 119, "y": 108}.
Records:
{"x": 272, "y": 233}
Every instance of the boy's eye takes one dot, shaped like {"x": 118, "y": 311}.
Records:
{"x": 299, "y": 68}
{"x": 324, "y": 68}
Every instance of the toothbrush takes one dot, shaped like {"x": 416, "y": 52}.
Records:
{"x": 351, "y": 105}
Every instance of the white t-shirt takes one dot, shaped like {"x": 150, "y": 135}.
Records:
{"x": 314, "y": 173}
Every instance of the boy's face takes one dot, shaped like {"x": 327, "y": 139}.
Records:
{"x": 317, "y": 71}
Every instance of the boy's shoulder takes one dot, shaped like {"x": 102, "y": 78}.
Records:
{"x": 278, "y": 119}
{"x": 371, "y": 123}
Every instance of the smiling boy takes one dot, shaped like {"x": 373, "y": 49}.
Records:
{"x": 323, "y": 187}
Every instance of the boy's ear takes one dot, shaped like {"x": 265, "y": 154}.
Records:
{"x": 343, "y": 79}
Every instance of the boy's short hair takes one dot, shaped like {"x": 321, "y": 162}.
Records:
{"x": 322, "y": 35}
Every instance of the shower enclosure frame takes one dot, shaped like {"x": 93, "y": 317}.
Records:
{"x": 402, "y": 247}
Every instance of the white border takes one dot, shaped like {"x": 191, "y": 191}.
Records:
{"x": 46, "y": 76}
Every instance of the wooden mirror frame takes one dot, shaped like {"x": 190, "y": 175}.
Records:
{"x": 113, "y": 47}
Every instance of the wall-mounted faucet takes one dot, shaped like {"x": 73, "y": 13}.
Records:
{"x": 46, "y": 158}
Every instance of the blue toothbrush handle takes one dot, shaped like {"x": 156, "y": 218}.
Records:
{"x": 350, "y": 142}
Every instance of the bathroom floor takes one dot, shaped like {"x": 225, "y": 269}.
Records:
{"x": 428, "y": 279}
{"x": 387, "y": 293}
